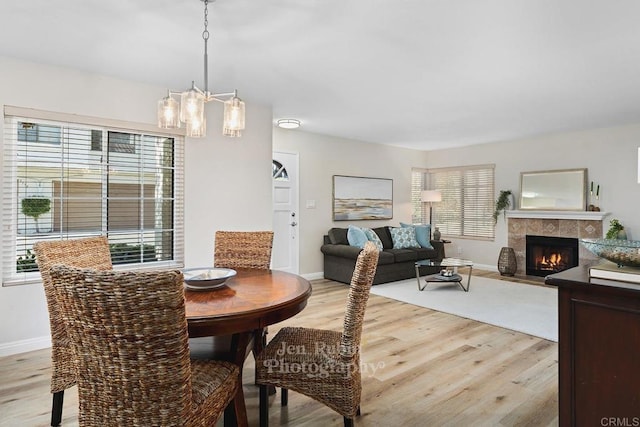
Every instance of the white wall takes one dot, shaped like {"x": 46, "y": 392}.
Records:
{"x": 227, "y": 181}
{"x": 323, "y": 156}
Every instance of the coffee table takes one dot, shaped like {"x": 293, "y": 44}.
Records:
{"x": 450, "y": 264}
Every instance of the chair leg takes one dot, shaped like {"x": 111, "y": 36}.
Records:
{"x": 348, "y": 422}
{"x": 264, "y": 406}
{"x": 56, "y": 408}
{"x": 259, "y": 343}
{"x": 284, "y": 396}
{"x": 229, "y": 416}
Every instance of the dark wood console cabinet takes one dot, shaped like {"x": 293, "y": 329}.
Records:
{"x": 599, "y": 349}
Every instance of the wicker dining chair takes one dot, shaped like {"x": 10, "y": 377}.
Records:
{"x": 243, "y": 249}
{"x": 92, "y": 252}
{"x": 322, "y": 364}
{"x": 129, "y": 332}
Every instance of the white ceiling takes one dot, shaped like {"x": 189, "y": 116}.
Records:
{"x": 422, "y": 74}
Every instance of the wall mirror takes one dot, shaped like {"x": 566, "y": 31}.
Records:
{"x": 555, "y": 190}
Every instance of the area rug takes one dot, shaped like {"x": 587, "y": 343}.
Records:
{"x": 520, "y": 307}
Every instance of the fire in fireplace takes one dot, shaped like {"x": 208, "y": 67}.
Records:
{"x": 547, "y": 255}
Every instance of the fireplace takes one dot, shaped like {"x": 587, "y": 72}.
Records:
{"x": 547, "y": 255}
{"x": 577, "y": 225}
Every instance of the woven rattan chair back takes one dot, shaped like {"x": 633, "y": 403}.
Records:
{"x": 130, "y": 333}
{"x": 92, "y": 252}
{"x": 357, "y": 299}
{"x": 243, "y": 249}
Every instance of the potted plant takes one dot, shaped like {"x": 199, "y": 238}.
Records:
{"x": 616, "y": 230}
{"x": 502, "y": 204}
{"x": 35, "y": 207}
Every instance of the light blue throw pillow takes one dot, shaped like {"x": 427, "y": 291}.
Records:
{"x": 356, "y": 236}
{"x": 423, "y": 234}
{"x": 373, "y": 237}
{"x": 404, "y": 237}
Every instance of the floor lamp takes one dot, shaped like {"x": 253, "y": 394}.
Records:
{"x": 431, "y": 196}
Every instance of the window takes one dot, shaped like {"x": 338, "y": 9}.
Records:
{"x": 118, "y": 142}
{"x": 71, "y": 180}
{"x": 467, "y": 200}
{"x": 278, "y": 171}
{"x": 39, "y": 133}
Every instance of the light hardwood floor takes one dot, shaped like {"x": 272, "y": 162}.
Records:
{"x": 423, "y": 368}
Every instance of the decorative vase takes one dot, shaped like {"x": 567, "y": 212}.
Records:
{"x": 436, "y": 234}
{"x": 622, "y": 235}
{"x": 507, "y": 264}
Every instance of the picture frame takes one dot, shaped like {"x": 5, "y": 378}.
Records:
{"x": 358, "y": 198}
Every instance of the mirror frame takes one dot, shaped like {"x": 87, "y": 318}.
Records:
{"x": 536, "y": 193}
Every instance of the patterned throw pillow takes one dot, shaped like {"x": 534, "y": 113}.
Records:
{"x": 356, "y": 237}
{"x": 373, "y": 237}
{"x": 404, "y": 237}
{"x": 423, "y": 234}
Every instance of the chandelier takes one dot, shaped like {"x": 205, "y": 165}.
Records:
{"x": 190, "y": 110}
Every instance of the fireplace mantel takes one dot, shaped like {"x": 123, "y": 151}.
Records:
{"x": 580, "y": 215}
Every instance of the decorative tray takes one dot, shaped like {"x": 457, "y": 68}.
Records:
{"x": 207, "y": 278}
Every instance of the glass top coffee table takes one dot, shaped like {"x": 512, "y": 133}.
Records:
{"x": 448, "y": 274}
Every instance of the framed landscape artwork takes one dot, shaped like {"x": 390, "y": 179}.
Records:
{"x": 359, "y": 198}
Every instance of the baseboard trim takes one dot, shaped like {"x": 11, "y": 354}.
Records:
{"x": 485, "y": 267}
{"x": 23, "y": 346}
{"x": 313, "y": 276}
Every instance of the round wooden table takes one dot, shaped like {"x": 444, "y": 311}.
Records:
{"x": 249, "y": 302}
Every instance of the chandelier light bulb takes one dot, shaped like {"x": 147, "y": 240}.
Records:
{"x": 197, "y": 128}
{"x": 168, "y": 113}
{"x": 233, "y": 117}
{"x": 191, "y": 106}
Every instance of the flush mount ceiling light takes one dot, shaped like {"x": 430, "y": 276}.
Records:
{"x": 190, "y": 110}
{"x": 288, "y": 123}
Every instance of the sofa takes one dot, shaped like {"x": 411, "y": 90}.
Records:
{"x": 393, "y": 264}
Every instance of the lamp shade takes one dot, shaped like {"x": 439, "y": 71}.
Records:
{"x": 196, "y": 128}
{"x": 168, "y": 113}
{"x": 431, "y": 196}
{"x": 233, "y": 117}
{"x": 191, "y": 106}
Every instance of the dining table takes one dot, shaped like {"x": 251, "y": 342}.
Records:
{"x": 247, "y": 303}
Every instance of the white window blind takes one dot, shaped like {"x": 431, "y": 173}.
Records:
{"x": 64, "y": 180}
{"x": 419, "y": 210}
{"x": 467, "y": 200}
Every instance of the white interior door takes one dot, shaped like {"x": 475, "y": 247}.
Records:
{"x": 285, "y": 212}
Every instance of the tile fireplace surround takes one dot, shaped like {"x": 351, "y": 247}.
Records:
{"x": 576, "y": 224}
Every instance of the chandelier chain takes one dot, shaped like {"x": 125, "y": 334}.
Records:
{"x": 205, "y": 33}
{"x": 205, "y": 37}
